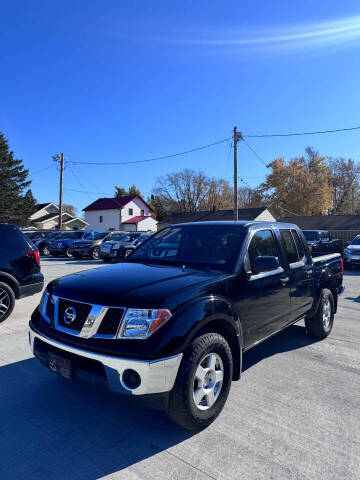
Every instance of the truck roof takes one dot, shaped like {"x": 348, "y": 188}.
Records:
{"x": 242, "y": 223}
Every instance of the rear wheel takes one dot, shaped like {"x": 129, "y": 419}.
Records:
{"x": 203, "y": 382}
{"x": 95, "y": 253}
{"x": 68, "y": 253}
{"x": 127, "y": 252}
{"x": 7, "y": 301}
{"x": 46, "y": 251}
{"x": 321, "y": 324}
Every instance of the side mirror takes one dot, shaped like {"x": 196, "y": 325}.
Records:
{"x": 264, "y": 264}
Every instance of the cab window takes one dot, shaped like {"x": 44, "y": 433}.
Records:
{"x": 262, "y": 244}
{"x": 289, "y": 246}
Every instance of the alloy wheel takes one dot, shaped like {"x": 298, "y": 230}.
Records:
{"x": 4, "y": 302}
{"x": 326, "y": 313}
{"x": 208, "y": 381}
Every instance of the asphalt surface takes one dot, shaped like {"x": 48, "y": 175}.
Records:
{"x": 295, "y": 414}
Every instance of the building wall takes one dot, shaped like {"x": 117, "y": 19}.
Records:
{"x": 111, "y": 219}
{"x": 265, "y": 216}
{"x": 128, "y": 227}
{"x": 148, "y": 224}
{"x": 137, "y": 205}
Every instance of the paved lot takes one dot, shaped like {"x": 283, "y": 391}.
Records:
{"x": 294, "y": 415}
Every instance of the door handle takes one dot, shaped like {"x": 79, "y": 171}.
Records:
{"x": 309, "y": 271}
{"x": 284, "y": 280}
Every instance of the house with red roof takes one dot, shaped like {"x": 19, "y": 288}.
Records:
{"x": 130, "y": 213}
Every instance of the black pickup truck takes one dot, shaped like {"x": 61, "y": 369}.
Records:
{"x": 170, "y": 324}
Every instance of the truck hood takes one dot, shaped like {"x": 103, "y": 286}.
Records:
{"x": 134, "y": 285}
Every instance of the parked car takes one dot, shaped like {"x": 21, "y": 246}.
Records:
{"x": 61, "y": 245}
{"x": 107, "y": 244}
{"x": 170, "y": 323}
{"x": 321, "y": 242}
{"x": 89, "y": 246}
{"x": 352, "y": 253}
{"x": 120, "y": 249}
{"x": 43, "y": 240}
{"x": 20, "y": 274}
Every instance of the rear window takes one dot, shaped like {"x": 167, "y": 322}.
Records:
{"x": 12, "y": 239}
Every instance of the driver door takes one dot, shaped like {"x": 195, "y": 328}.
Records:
{"x": 265, "y": 305}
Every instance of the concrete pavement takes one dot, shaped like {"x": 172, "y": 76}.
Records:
{"x": 295, "y": 414}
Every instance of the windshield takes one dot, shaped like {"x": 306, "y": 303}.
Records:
{"x": 356, "y": 241}
{"x": 213, "y": 247}
{"x": 143, "y": 237}
{"x": 311, "y": 236}
{"x": 72, "y": 235}
{"x": 118, "y": 237}
{"x": 95, "y": 235}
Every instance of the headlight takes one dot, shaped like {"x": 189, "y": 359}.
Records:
{"x": 142, "y": 323}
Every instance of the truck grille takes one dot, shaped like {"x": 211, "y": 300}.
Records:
{"x": 111, "y": 322}
{"x": 57, "y": 311}
{"x": 82, "y": 311}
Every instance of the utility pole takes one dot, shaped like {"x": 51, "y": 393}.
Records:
{"x": 237, "y": 137}
{"x": 352, "y": 200}
{"x": 236, "y": 213}
{"x": 61, "y": 189}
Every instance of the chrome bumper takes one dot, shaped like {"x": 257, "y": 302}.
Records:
{"x": 157, "y": 376}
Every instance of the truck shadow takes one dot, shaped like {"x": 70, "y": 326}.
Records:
{"x": 51, "y": 428}
{"x": 292, "y": 338}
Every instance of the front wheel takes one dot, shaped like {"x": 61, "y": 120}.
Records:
{"x": 127, "y": 252}
{"x": 95, "y": 253}
{"x": 68, "y": 253}
{"x": 321, "y": 324}
{"x": 46, "y": 252}
{"x": 203, "y": 382}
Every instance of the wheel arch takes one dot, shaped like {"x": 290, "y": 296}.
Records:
{"x": 11, "y": 282}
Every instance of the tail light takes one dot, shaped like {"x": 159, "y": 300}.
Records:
{"x": 342, "y": 265}
{"x": 33, "y": 254}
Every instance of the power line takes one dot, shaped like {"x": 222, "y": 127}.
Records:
{"x": 77, "y": 179}
{"x": 297, "y": 134}
{"x": 155, "y": 158}
{"x": 85, "y": 191}
{"x": 254, "y": 152}
{"x": 41, "y": 170}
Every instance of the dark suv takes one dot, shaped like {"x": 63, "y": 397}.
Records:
{"x": 42, "y": 241}
{"x": 19, "y": 268}
{"x": 61, "y": 245}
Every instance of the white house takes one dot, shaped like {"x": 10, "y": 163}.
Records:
{"x": 46, "y": 217}
{"x": 130, "y": 213}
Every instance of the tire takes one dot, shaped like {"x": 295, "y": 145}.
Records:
{"x": 7, "y": 301}
{"x": 95, "y": 253}
{"x": 208, "y": 350}
{"x": 68, "y": 254}
{"x": 46, "y": 251}
{"x": 321, "y": 324}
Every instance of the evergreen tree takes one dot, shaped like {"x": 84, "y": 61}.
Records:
{"x": 14, "y": 207}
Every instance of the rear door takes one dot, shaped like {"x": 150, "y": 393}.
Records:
{"x": 265, "y": 306}
{"x": 300, "y": 268}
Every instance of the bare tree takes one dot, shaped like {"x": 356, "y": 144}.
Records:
{"x": 70, "y": 209}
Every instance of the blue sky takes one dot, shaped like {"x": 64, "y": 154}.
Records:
{"x": 121, "y": 81}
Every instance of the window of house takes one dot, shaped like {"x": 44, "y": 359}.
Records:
{"x": 142, "y": 213}
{"x": 101, "y": 219}
{"x": 131, "y": 212}
{"x": 289, "y": 246}
{"x": 262, "y": 245}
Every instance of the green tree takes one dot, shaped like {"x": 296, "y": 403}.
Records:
{"x": 122, "y": 192}
{"x": 14, "y": 206}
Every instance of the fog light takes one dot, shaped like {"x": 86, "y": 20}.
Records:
{"x": 131, "y": 379}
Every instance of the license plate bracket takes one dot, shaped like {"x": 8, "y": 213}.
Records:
{"x": 60, "y": 365}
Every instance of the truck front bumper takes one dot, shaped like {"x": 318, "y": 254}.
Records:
{"x": 156, "y": 376}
